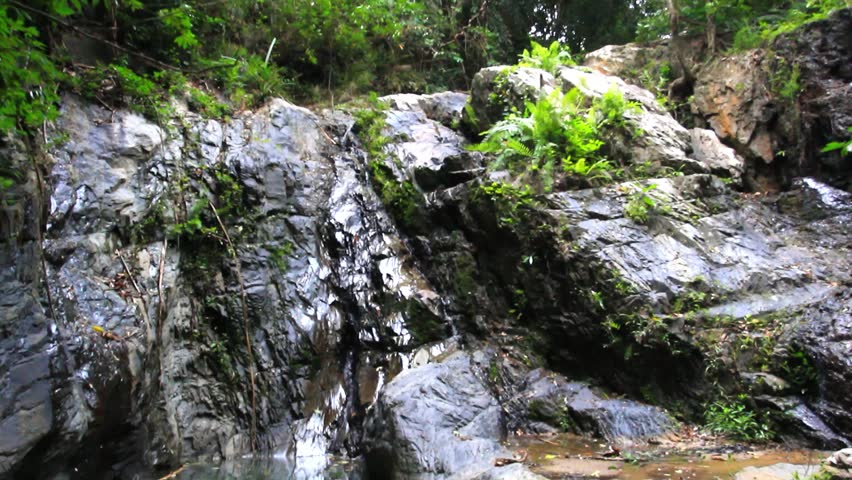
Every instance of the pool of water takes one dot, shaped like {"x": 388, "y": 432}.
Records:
{"x": 555, "y": 457}
{"x": 274, "y": 468}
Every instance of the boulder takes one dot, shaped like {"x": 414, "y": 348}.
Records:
{"x": 731, "y": 95}
{"x": 575, "y": 407}
{"x": 496, "y": 90}
{"x": 627, "y": 61}
{"x": 439, "y": 420}
{"x": 781, "y": 106}
{"x": 839, "y": 465}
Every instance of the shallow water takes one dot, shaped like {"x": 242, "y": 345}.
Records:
{"x": 571, "y": 456}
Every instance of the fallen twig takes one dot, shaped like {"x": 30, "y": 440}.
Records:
{"x": 174, "y": 474}
{"x": 135, "y": 287}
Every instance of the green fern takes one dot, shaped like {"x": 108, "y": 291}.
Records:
{"x": 559, "y": 129}
{"x": 548, "y": 59}
{"x": 519, "y": 148}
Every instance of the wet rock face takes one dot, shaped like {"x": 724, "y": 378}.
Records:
{"x": 158, "y": 328}
{"x": 711, "y": 283}
{"x": 823, "y": 53}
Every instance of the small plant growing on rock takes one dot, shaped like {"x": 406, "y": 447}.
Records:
{"x": 401, "y": 198}
{"x": 640, "y": 205}
{"x": 548, "y": 59}
{"x": 613, "y": 107}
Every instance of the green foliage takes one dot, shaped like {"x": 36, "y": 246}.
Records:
{"x": 756, "y": 22}
{"x": 845, "y": 147}
{"x": 248, "y": 81}
{"x": 6, "y": 183}
{"x": 121, "y": 86}
{"x": 195, "y": 225}
{"x": 784, "y": 79}
{"x": 28, "y": 76}
{"x": 512, "y": 204}
{"x": 613, "y": 108}
{"x": 798, "y": 369}
{"x": 370, "y": 123}
{"x": 207, "y": 104}
{"x": 641, "y": 204}
{"x": 402, "y": 199}
{"x": 735, "y": 419}
{"x": 279, "y": 255}
{"x": 560, "y": 129}
{"x": 549, "y": 59}
{"x": 178, "y": 22}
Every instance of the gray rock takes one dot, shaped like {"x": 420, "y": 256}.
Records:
{"x": 765, "y": 383}
{"x": 436, "y": 421}
{"x": 445, "y": 108}
{"x": 575, "y": 406}
{"x": 839, "y": 464}
{"x": 626, "y": 61}
{"x": 155, "y": 372}
{"x": 719, "y": 159}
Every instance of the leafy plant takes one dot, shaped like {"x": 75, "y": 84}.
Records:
{"x": 549, "y": 59}
{"x": 845, "y": 147}
{"x": 784, "y": 79}
{"x": 734, "y": 419}
{"x": 558, "y": 129}
{"x": 613, "y": 108}
{"x": 370, "y": 123}
{"x": 640, "y": 204}
{"x": 512, "y": 203}
{"x": 28, "y": 76}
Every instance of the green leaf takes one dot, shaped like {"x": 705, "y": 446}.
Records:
{"x": 61, "y": 8}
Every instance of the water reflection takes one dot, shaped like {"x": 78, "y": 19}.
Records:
{"x": 274, "y": 469}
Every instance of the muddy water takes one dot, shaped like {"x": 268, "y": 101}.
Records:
{"x": 574, "y": 457}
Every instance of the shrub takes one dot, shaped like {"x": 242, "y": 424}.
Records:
{"x": 734, "y": 419}
{"x": 559, "y": 129}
